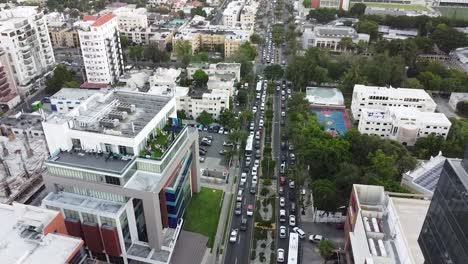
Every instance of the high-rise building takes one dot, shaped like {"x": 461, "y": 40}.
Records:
{"x": 9, "y": 95}
{"x": 100, "y": 47}
{"x": 25, "y": 38}
{"x": 383, "y": 227}
{"x": 122, "y": 171}
{"x": 444, "y": 235}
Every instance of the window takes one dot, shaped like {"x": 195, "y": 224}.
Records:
{"x": 71, "y": 214}
{"x": 107, "y": 221}
{"x": 90, "y": 218}
{"x": 112, "y": 180}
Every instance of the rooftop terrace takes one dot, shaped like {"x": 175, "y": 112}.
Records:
{"x": 84, "y": 203}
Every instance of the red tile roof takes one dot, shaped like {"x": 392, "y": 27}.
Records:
{"x": 99, "y": 20}
{"x": 89, "y": 85}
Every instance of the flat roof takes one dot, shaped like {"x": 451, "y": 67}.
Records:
{"x": 21, "y": 245}
{"x": 392, "y": 91}
{"x": 411, "y": 214}
{"x": 91, "y": 160}
{"x": 73, "y": 94}
{"x": 143, "y": 181}
{"x": 324, "y": 96}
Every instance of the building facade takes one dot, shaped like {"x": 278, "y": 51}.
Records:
{"x": 330, "y": 37}
{"x": 444, "y": 235}
{"x": 403, "y": 124}
{"x": 25, "y": 38}
{"x": 382, "y": 228}
{"x": 9, "y": 95}
{"x": 374, "y": 97}
{"x": 122, "y": 172}
{"x": 63, "y": 36}
{"x": 336, "y": 4}
{"x": 101, "y": 50}
{"x": 211, "y": 101}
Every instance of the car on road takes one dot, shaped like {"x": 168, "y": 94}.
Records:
{"x": 282, "y": 215}
{"x": 243, "y": 224}
{"x": 291, "y": 147}
{"x": 292, "y": 220}
{"x": 292, "y": 157}
{"x": 282, "y": 202}
{"x": 315, "y": 238}
{"x": 283, "y": 232}
{"x": 233, "y": 235}
{"x": 291, "y": 184}
{"x": 300, "y": 232}
{"x": 282, "y": 167}
{"x": 258, "y": 154}
{"x": 243, "y": 177}
{"x": 292, "y": 208}
{"x": 282, "y": 180}
{"x": 283, "y": 114}
{"x": 254, "y": 109}
{"x": 282, "y": 123}
{"x": 254, "y": 179}
{"x": 238, "y": 210}
{"x": 280, "y": 255}
{"x": 239, "y": 195}
{"x": 257, "y": 162}
{"x": 253, "y": 188}
{"x": 254, "y": 170}
{"x": 202, "y": 159}
{"x": 281, "y": 190}
{"x": 250, "y": 209}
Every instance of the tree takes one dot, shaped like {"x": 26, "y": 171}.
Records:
{"x": 228, "y": 119}
{"x": 273, "y": 72}
{"x": 429, "y": 146}
{"x": 306, "y": 3}
{"x": 183, "y": 51}
{"x": 124, "y": 42}
{"x": 198, "y": 11}
{"x": 325, "y": 248}
{"x": 462, "y": 108}
{"x": 154, "y": 54}
{"x": 242, "y": 97}
{"x": 181, "y": 114}
{"x": 181, "y": 14}
{"x": 320, "y": 75}
{"x": 245, "y": 55}
{"x": 200, "y": 78}
{"x": 322, "y": 15}
{"x": 448, "y": 38}
{"x": 136, "y": 52}
{"x": 368, "y": 27}
{"x": 412, "y": 83}
{"x": 205, "y": 118}
{"x": 59, "y": 78}
{"x": 255, "y": 38}
{"x": 325, "y": 195}
{"x": 346, "y": 43}
{"x": 357, "y": 9}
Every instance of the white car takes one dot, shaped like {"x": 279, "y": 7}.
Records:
{"x": 280, "y": 255}
{"x": 282, "y": 202}
{"x": 283, "y": 114}
{"x": 282, "y": 215}
{"x": 315, "y": 238}
{"x": 254, "y": 109}
{"x": 283, "y": 233}
{"x": 254, "y": 180}
{"x": 292, "y": 220}
{"x": 221, "y": 130}
{"x": 300, "y": 232}
{"x": 233, "y": 236}
{"x": 260, "y": 124}
{"x": 254, "y": 170}
{"x": 243, "y": 177}
{"x": 289, "y": 91}
{"x": 257, "y": 162}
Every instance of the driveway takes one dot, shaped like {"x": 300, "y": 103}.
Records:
{"x": 310, "y": 253}
{"x": 213, "y": 160}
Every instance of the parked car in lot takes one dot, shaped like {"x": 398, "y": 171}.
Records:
{"x": 233, "y": 235}
{"x": 283, "y": 231}
{"x": 315, "y": 238}
{"x": 221, "y": 130}
{"x": 202, "y": 159}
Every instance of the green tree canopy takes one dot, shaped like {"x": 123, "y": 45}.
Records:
{"x": 183, "y": 51}
{"x": 200, "y": 78}
{"x": 273, "y": 72}
{"x": 59, "y": 78}
{"x": 322, "y": 15}
{"x": 154, "y": 54}
{"x": 228, "y": 119}
{"x": 357, "y": 9}
{"x": 369, "y": 27}
{"x": 205, "y": 118}
{"x": 448, "y": 38}
{"x": 325, "y": 196}
{"x": 198, "y": 11}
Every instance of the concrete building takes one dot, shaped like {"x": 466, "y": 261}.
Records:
{"x": 25, "y": 38}
{"x": 240, "y": 14}
{"x": 455, "y": 98}
{"x": 460, "y": 3}
{"x": 444, "y": 237}
{"x": 336, "y": 4}
{"x": 204, "y": 36}
{"x": 403, "y": 124}
{"x": 68, "y": 99}
{"x": 36, "y": 235}
{"x": 131, "y": 17}
{"x": 100, "y": 47}
{"x": 394, "y": 33}
{"x": 122, "y": 171}
{"x": 329, "y": 37}
{"x": 63, "y": 35}
{"x": 383, "y": 227}
{"x": 221, "y": 69}
{"x": 424, "y": 178}
{"x": 374, "y": 97}
{"x": 152, "y": 34}
{"x": 390, "y": 11}
{"x": 9, "y": 95}
{"x": 459, "y": 58}
{"x": 211, "y": 101}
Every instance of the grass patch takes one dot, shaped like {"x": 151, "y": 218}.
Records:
{"x": 203, "y": 213}
{"x": 398, "y": 6}
{"x": 454, "y": 12}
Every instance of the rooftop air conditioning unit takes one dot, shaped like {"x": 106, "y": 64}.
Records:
{"x": 120, "y": 115}
{"x": 109, "y": 123}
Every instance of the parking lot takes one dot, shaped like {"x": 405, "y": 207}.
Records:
{"x": 213, "y": 160}
{"x": 310, "y": 252}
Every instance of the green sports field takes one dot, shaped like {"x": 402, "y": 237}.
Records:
{"x": 454, "y": 12}
{"x": 398, "y": 6}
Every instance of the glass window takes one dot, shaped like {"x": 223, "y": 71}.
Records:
{"x": 90, "y": 218}
{"x": 71, "y": 214}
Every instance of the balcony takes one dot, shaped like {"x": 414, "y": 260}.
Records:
{"x": 157, "y": 146}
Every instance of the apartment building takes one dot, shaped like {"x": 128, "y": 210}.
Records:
{"x": 25, "y": 38}
{"x": 444, "y": 237}
{"x": 211, "y": 101}
{"x": 204, "y": 36}
{"x": 122, "y": 171}
{"x": 374, "y": 97}
{"x": 221, "y": 69}
{"x": 148, "y": 35}
{"x": 9, "y": 95}
{"x": 131, "y": 17}
{"x": 329, "y": 37}
{"x": 33, "y": 234}
{"x": 383, "y": 228}
{"x": 63, "y": 35}
{"x": 403, "y": 124}
{"x": 100, "y": 47}
{"x": 335, "y": 4}
{"x": 240, "y": 14}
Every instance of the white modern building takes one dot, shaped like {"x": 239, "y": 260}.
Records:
{"x": 240, "y": 13}
{"x": 461, "y": 3}
{"x": 382, "y": 227}
{"x": 395, "y": 33}
{"x": 100, "y": 47}
{"x": 375, "y": 97}
{"x": 122, "y": 171}
{"x": 403, "y": 124}
{"x": 329, "y": 37}
{"x": 131, "y": 17}
{"x": 228, "y": 70}
{"x": 68, "y": 99}
{"x": 25, "y": 38}
{"x": 211, "y": 101}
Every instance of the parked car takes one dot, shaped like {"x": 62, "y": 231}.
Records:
{"x": 315, "y": 238}
{"x": 202, "y": 159}
{"x": 283, "y": 231}
{"x": 238, "y": 210}
{"x": 233, "y": 235}
{"x": 228, "y": 144}
{"x": 221, "y": 130}
{"x": 253, "y": 188}
{"x": 254, "y": 180}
